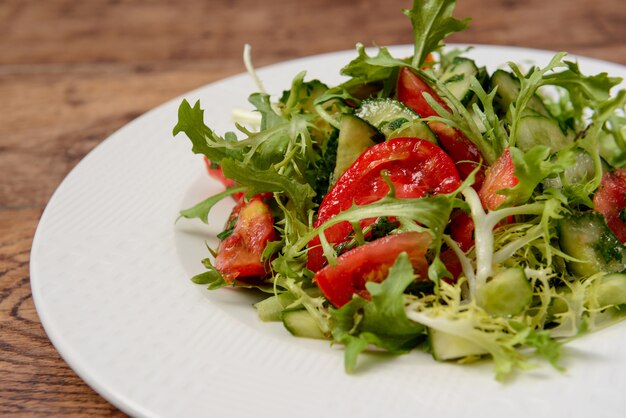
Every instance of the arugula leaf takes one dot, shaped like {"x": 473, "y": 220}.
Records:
{"x": 269, "y": 180}
{"x": 372, "y": 68}
{"x": 262, "y": 103}
{"x": 532, "y": 167}
{"x": 596, "y": 87}
{"x": 204, "y": 140}
{"x": 432, "y": 21}
{"x": 202, "y": 209}
{"x": 212, "y": 278}
{"x": 381, "y": 321}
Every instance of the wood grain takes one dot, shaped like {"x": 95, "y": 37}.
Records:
{"x": 71, "y": 73}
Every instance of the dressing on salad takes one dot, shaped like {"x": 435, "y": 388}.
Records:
{"x": 425, "y": 203}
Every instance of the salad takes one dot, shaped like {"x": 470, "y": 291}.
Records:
{"x": 425, "y": 203}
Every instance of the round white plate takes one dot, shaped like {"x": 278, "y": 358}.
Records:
{"x": 110, "y": 275}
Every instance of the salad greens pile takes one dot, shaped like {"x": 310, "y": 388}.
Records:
{"x": 542, "y": 263}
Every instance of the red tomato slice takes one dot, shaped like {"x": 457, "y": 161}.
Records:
{"x": 218, "y": 174}
{"x": 370, "y": 263}
{"x": 498, "y": 176}
{"x": 239, "y": 255}
{"x": 416, "y": 168}
{"x": 610, "y": 201}
{"x": 410, "y": 91}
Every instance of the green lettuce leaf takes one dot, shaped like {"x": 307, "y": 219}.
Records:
{"x": 204, "y": 140}
{"x": 201, "y": 210}
{"x": 432, "y": 21}
{"x": 269, "y": 180}
{"x": 372, "y": 68}
{"x": 532, "y": 167}
{"x": 263, "y": 105}
{"x": 381, "y": 321}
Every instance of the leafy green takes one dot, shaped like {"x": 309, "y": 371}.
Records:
{"x": 432, "y": 21}
{"x": 270, "y": 180}
{"x": 531, "y": 168}
{"x": 201, "y": 210}
{"x": 211, "y": 277}
{"x": 269, "y": 117}
{"x": 499, "y": 336}
{"x": 204, "y": 140}
{"x": 372, "y": 68}
{"x": 381, "y": 321}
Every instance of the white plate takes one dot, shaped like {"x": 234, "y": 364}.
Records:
{"x": 110, "y": 277}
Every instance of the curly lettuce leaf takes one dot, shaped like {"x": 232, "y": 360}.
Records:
{"x": 201, "y": 210}
{"x": 381, "y": 321}
{"x": 269, "y": 180}
{"x": 204, "y": 140}
{"x": 499, "y": 336}
{"x": 531, "y": 168}
{"x": 432, "y": 21}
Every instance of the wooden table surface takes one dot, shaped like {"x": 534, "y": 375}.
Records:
{"x": 72, "y": 73}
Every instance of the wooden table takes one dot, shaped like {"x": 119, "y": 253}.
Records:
{"x": 71, "y": 73}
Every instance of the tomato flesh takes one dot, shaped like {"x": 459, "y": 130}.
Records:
{"x": 610, "y": 201}
{"x": 410, "y": 91}
{"x": 498, "y": 176}
{"x": 370, "y": 263}
{"x": 239, "y": 255}
{"x": 415, "y": 167}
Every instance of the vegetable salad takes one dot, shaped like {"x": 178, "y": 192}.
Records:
{"x": 427, "y": 203}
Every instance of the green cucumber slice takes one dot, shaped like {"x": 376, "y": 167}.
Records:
{"x": 457, "y": 77}
{"x": 536, "y": 129}
{"x": 587, "y": 238}
{"x": 301, "y": 324}
{"x": 395, "y": 120}
{"x": 508, "y": 293}
{"x": 508, "y": 90}
{"x": 446, "y": 346}
{"x": 270, "y": 309}
{"x": 355, "y": 136}
{"x": 611, "y": 290}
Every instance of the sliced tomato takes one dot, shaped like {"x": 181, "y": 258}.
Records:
{"x": 370, "y": 263}
{"x": 410, "y": 91}
{"x": 215, "y": 171}
{"x": 610, "y": 201}
{"x": 239, "y": 255}
{"x": 415, "y": 167}
{"x": 498, "y": 176}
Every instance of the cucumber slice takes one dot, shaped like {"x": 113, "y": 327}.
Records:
{"x": 355, "y": 136}
{"x": 508, "y": 293}
{"x": 508, "y": 90}
{"x": 270, "y": 309}
{"x": 446, "y": 346}
{"x": 301, "y": 324}
{"x": 611, "y": 290}
{"x": 581, "y": 172}
{"x": 457, "y": 78}
{"x": 536, "y": 129}
{"x": 395, "y": 120}
{"x": 587, "y": 238}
